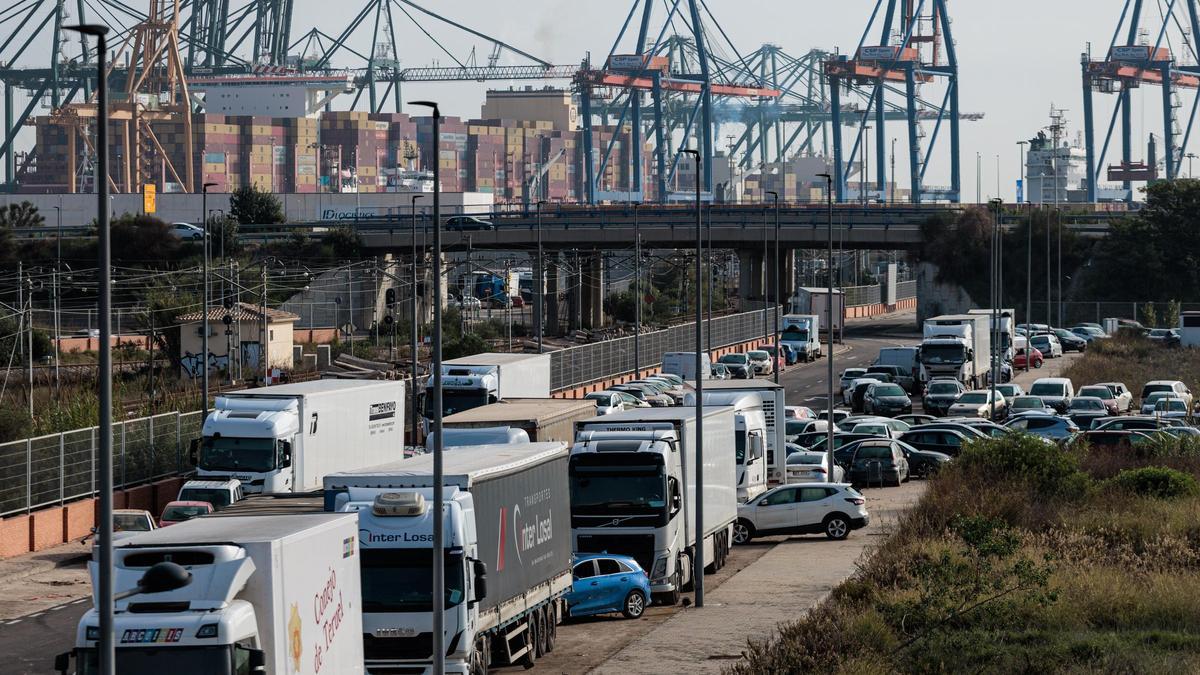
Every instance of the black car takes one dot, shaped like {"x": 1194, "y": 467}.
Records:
{"x": 967, "y": 430}
{"x": 844, "y": 447}
{"x": 879, "y": 462}
{"x": 468, "y": 224}
{"x": 940, "y": 395}
{"x": 923, "y": 463}
{"x": 916, "y": 420}
{"x": 946, "y": 441}
{"x": 856, "y": 397}
{"x": 1070, "y": 342}
{"x": 886, "y": 399}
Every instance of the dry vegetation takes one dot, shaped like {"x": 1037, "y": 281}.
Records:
{"x": 1134, "y": 361}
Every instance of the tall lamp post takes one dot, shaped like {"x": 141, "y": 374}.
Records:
{"x": 829, "y": 319}
{"x": 775, "y": 287}
{"x": 414, "y": 337}
{"x": 539, "y": 280}
{"x": 104, "y": 593}
{"x": 997, "y": 242}
{"x": 207, "y": 293}
{"x": 698, "y": 561}
{"x": 1028, "y": 257}
{"x": 57, "y": 274}
{"x": 435, "y": 405}
{"x": 637, "y": 293}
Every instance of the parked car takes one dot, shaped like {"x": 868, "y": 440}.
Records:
{"x": 948, "y": 442}
{"x": 798, "y": 412}
{"x": 738, "y": 365}
{"x": 778, "y": 359}
{"x": 1168, "y": 337}
{"x": 1111, "y": 405}
{"x": 979, "y": 403}
{"x": 848, "y": 377}
{"x": 1171, "y": 408}
{"x": 468, "y": 224}
{"x": 177, "y": 512}
{"x": 1116, "y": 439}
{"x": 941, "y": 394}
{"x": 969, "y": 431}
{"x": 796, "y": 428}
{"x": 1150, "y": 403}
{"x": 1036, "y": 360}
{"x": 838, "y": 416}
{"x": 1135, "y": 423}
{"x": 1086, "y": 409}
{"x": 916, "y": 420}
{"x": 833, "y": 508}
{"x": 900, "y": 375}
{"x": 1048, "y": 345}
{"x": 1070, "y": 342}
{"x": 1024, "y": 404}
{"x": 603, "y": 583}
{"x": 640, "y": 395}
{"x": 879, "y": 462}
{"x": 1055, "y": 392}
{"x": 1175, "y": 386}
{"x": 1053, "y": 427}
{"x": 983, "y": 427}
{"x": 219, "y": 493}
{"x": 649, "y": 393}
{"x": 761, "y": 361}
{"x": 1089, "y": 332}
{"x": 126, "y": 523}
{"x": 922, "y": 463}
{"x": 811, "y": 467}
{"x": 1010, "y": 390}
{"x": 719, "y": 371}
{"x": 885, "y": 398}
{"x": 1121, "y": 393}
{"x": 186, "y": 232}
{"x": 607, "y": 402}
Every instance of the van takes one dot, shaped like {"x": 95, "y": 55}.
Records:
{"x": 1055, "y": 392}
{"x": 683, "y": 364}
{"x": 908, "y": 358}
{"x": 900, "y": 375}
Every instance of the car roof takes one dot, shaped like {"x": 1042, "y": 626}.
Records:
{"x": 132, "y": 512}
{"x": 187, "y": 502}
{"x": 1053, "y": 380}
{"x": 1162, "y": 382}
{"x": 581, "y": 557}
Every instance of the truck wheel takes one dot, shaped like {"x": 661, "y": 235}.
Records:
{"x": 541, "y": 632}
{"x": 685, "y": 562}
{"x": 529, "y": 658}
{"x": 635, "y": 605}
{"x": 551, "y": 627}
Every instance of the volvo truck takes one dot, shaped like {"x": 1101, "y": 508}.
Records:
{"x": 507, "y": 555}
{"x": 633, "y": 491}
{"x": 957, "y": 346}
{"x": 276, "y": 595}
{"x": 473, "y": 381}
{"x": 286, "y": 438}
{"x": 801, "y": 333}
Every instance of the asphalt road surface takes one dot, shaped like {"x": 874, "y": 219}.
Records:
{"x": 29, "y": 642}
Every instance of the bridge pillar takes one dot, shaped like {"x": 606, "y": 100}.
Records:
{"x": 592, "y": 288}
{"x": 787, "y": 275}
{"x": 750, "y": 277}
{"x": 553, "y": 274}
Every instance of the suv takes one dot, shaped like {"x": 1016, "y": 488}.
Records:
{"x": 1175, "y": 386}
{"x": 1121, "y": 393}
{"x": 219, "y": 493}
{"x": 761, "y": 361}
{"x": 1052, "y": 427}
{"x": 900, "y": 376}
{"x": 941, "y": 394}
{"x": 878, "y": 462}
{"x": 832, "y": 508}
{"x": 885, "y": 398}
{"x": 1055, "y": 392}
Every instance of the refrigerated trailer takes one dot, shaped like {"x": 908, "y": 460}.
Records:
{"x": 507, "y": 554}
{"x": 815, "y": 301}
{"x": 539, "y": 419}
{"x": 481, "y": 379}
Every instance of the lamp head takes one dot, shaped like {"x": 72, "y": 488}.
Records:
{"x": 427, "y": 104}
{"x": 164, "y": 577}
{"x": 89, "y": 29}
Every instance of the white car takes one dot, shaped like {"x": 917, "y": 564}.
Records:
{"x": 1121, "y": 393}
{"x": 978, "y": 404}
{"x": 761, "y": 362}
{"x": 811, "y": 467}
{"x": 1048, "y": 345}
{"x": 1174, "y": 386}
{"x": 1150, "y": 405}
{"x": 833, "y": 508}
{"x": 848, "y": 377}
{"x": 607, "y": 402}
{"x": 186, "y": 232}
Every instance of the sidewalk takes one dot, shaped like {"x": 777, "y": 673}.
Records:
{"x": 35, "y": 582}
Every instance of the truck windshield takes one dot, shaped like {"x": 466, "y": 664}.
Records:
{"x": 795, "y": 335}
{"x": 214, "y": 660}
{"x": 401, "y": 579}
{"x": 623, "y": 488}
{"x": 458, "y": 400}
{"x": 942, "y": 353}
{"x": 229, "y": 453}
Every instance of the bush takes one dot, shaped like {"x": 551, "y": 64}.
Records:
{"x": 1157, "y": 482}
{"x": 344, "y": 242}
{"x": 465, "y": 345}
{"x": 14, "y": 424}
{"x": 1022, "y": 458}
{"x": 251, "y": 206}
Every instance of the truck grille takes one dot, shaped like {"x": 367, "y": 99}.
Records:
{"x": 398, "y": 648}
{"x": 640, "y": 547}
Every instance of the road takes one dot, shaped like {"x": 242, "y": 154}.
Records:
{"x": 39, "y": 612}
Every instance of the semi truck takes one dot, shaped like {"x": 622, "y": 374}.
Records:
{"x": 801, "y": 333}
{"x": 816, "y": 302}
{"x": 268, "y": 594}
{"x": 633, "y": 491}
{"x": 537, "y": 420}
{"x": 957, "y": 346}
{"x": 774, "y": 418}
{"x": 1005, "y": 326}
{"x": 286, "y": 438}
{"x": 750, "y": 439}
{"x": 507, "y": 555}
{"x": 473, "y": 381}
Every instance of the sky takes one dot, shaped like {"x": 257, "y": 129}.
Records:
{"x": 1016, "y": 57}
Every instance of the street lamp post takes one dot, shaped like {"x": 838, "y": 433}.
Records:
{"x": 539, "y": 280}
{"x": 207, "y": 291}
{"x": 829, "y": 321}
{"x": 104, "y": 593}
{"x": 439, "y": 581}
{"x": 996, "y": 205}
{"x": 57, "y": 273}
{"x": 637, "y": 292}
{"x": 698, "y": 561}
{"x": 775, "y": 287}
{"x": 414, "y": 336}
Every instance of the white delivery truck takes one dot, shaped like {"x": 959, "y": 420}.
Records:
{"x": 750, "y": 434}
{"x": 801, "y": 333}
{"x": 473, "y": 381}
{"x": 683, "y": 364}
{"x": 275, "y": 595}
{"x": 774, "y": 417}
{"x": 957, "y": 346}
{"x": 633, "y": 491}
{"x": 1006, "y": 326}
{"x": 507, "y": 555}
{"x": 815, "y": 301}
{"x": 287, "y": 437}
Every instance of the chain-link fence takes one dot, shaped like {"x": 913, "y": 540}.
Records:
{"x": 57, "y": 468}
{"x": 1074, "y": 313}
{"x": 588, "y": 363}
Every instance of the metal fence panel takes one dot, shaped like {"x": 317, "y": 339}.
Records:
{"x": 44, "y": 470}
{"x": 79, "y": 456}
{"x": 12, "y": 476}
{"x": 906, "y": 290}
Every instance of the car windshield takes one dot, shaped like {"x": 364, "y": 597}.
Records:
{"x": 943, "y": 388}
{"x": 1171, "y": 405}
{"x": 1087, "y": 404}
{"x": 401, "y": 579}
{"x": 1048, "y": 389}
{"x": 217, "y": 497}
{"x": 230, "y": 453}
{"x": 735, "y": 359}
{"x": 1152, "y": 388}
{"x": 1159, "y": 395}
{"x": 634, "y": 488}
{"x": 1028, "y": 402}
{"x": 806, "y": 458}
{"x": 852, "y": 373}
{"x": 889, "y": 390}
{"x": 130, "y": 522}
{"x": 870, "y": 429}
{"x": 874, "y": 452}
{"x": 759, "y": 355}
{"x": 1098, "y": 392}
{"x": 174, "y": 514}
{"x": 606, "y": 399}
{"x": 973, "y": 397}
{"x": 942, "y": 354}
{"x": 797, "y": 427}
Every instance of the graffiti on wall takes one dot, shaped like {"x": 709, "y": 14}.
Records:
{"x": 192, "y": 363}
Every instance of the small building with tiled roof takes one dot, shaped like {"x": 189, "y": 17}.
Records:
{"x": 239, "y": 331}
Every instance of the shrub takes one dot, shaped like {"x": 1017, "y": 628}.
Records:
{"x": 1157, "y": 482}
{"x": 14, "y": 424}
{"x": 1022, "y": 458}
{"x": 465, "y": 345}
{"x": 252, "y": 206}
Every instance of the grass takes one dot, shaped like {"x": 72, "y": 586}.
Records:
{"x": 1134, "y": 361}
{"x": 1021, "y": 558}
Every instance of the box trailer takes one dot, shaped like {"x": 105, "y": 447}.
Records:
{"x": 507, "y": 555}
{"x": 482, "y": 379}
{"x": 774, "y": 416}
{"x": 540, "y": 419}
{"x": 633, "y": 490}
{"x": 286, "y": 438}
{"x": 279, "y": 594}
{"x": 816, "y": 301}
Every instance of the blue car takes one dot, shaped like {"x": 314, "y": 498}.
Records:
{"x": 605, "y": 583}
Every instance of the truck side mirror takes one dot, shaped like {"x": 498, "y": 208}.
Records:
{"x": 480, "y": 570}
{"x": 62, "y": 662}
{"x": 285, "y": 454}
{"x": 257, "y": 660}
{"x": 194, "y": 451}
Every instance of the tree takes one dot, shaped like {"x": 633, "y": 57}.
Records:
{"x": 252, "y": 206}
{"x": 344, "y": 242}
{"x": 24, "y": 214}
{"x": 165, "y": 305}
{"x": 14, "y": 339}
{"x": 224, "y": 233}
{"x": 1170, "y": 317}
{"x": 1149, "y": 316}
{"x": 143, "y": 240}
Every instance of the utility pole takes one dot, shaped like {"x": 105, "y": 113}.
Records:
{"x": 57, "y": 322}
{"x": 264, "y": 348}
{"x": 830, "y": 426}
{"x": 775, "y": 290}
{"x": 698, "y": 559}
{"x": 414, "y": 336}
{"x": 539, "y": 281}
{"x": 29, "y": 356}
{"x": 637, "y": 305}
{"x": 893, "y": 199}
